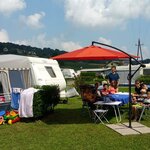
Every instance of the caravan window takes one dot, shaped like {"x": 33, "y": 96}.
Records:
{"x": 51, "y": 72}
{"x": 20, "y": 78}
{"x": 146, "y": 71}
{"x": 16, "y": 79}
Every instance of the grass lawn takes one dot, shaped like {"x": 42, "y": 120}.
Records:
{"x": 69, "y": 129}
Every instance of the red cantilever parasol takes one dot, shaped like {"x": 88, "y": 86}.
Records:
{"x": 101, "y": 53}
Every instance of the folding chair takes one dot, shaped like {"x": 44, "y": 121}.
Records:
{"x": 145, "y": 107}
{"x": 86, "y": 107}
{"x": 99, "y": 115}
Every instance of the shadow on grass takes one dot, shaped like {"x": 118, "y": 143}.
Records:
{"x": 68, "y": 116}
{"x": 71, "y": 116}
{"x": 63, "y": 116}
{"x": 72, "y": 113}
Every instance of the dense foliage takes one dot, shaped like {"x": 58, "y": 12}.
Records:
{"x": 45, "y": 100}
{"x": 145, "y": 79}
{"x": 87, "y": 78}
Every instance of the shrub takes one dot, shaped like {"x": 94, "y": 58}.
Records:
{"x": 87, "y": 78}
{"x": 145, "y": 79}
{"x": 45, "y": 100}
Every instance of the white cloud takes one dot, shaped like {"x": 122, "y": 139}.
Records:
{"x": 4, "y": 36}
{"x": 55, "y": 43}
{"x": 105, "y": 13}
{"x": 33, "y": 21}
{"x": 69, "y": 45}
{"x": 9, "y": 6}
{"x": 105, "y": 41}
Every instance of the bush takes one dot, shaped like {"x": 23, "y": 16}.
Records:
{"x": 145, "y": 79}
{"x": 91, "y": 74}
{"x": 45, "y": 100}
{"x": 87, "y": 78}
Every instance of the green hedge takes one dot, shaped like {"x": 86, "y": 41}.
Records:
{"x": 91, "y": 77}
{"x": 145, "y": 79}
{"x": 91, "y": 74}
{"x": 45, "y": 100}
{"x": 87, "y": 78}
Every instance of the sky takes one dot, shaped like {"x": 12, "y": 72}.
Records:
{"x": 72, "y": 24}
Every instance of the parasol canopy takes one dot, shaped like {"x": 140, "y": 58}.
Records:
{"x": 92, "y": 52}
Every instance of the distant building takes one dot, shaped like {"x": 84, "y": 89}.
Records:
{"x": 68, "y": 73}
{"x": 114, "y": 63}
{"x": 5, "y": 49}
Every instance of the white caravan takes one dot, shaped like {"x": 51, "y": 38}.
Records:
{"x": 123, "y": 72}
{"x": 24, "y": 72}
{"x": 68, "y": 73}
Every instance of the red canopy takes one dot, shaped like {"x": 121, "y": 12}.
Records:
{"x": 92, "y": 53}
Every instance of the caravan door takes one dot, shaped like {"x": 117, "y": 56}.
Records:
{"x": 4, "y": 87}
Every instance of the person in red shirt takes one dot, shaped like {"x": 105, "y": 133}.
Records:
{"x": 104, "y": 93}
{"x": 113, "y": 88}
{"x": 105, "y": 90}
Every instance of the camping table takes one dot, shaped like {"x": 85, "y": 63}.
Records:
{"x": 123, "y": 97}
{"x": 115, "y": 106}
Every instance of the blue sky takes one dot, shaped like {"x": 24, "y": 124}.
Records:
{"x": 72, "y": 24}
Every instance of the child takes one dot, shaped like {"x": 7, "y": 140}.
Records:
{"x": 113, "y": 88}
{"x": 147, "y": 99}
{"x": 137, "y": 88}
{"x": 136, "y": 107}
{"x": 105, "y": 90}
{"x": 97, "y": 84}
{"x": 143, "y": 89}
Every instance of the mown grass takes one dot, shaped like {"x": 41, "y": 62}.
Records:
{"x": 68, "y": 128}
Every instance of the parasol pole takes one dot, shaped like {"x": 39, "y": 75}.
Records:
{"x": 130, "y": 100}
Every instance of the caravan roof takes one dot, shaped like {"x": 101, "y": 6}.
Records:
{"x": 17, "y": 61}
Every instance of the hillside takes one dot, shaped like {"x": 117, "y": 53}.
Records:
{"x": 10, "y": 48}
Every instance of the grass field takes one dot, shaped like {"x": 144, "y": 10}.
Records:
{"x": 70, "y": 129}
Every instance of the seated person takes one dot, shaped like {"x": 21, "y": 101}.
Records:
{"x": 136, "y": 108}
{"x": 143, "y": 90}
{"x": 89, "y": 96}
{"x": 140, "y": 90}
{"x": 147, "y": 99}
{"x": 97, "y": 84}
{"x": 105, "y": 90}
{"x": 113, "y": 88}
{"x": 137, "y": 88}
